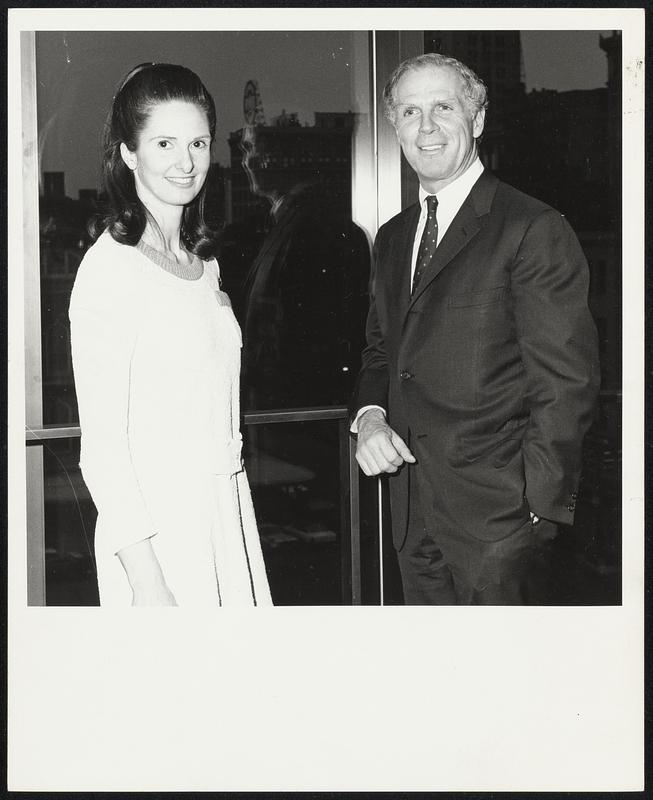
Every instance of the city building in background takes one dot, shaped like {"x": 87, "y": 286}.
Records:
{"x": 64, "y": 239}
{"x": 292, "y": 260}
{"x": 289, "y": 153}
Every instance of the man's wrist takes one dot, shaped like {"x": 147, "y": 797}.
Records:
{"x": 372, "y": 416}
{"x": 359, "y": 415}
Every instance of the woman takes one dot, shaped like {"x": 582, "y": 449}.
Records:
{"x": 156, "y": 357}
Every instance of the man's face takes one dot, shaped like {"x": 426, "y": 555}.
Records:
{"x": 436, "y": 125}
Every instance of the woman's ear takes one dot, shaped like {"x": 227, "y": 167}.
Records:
{"x": 128, "y": 157}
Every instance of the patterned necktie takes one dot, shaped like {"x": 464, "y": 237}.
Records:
{"x": 428, "y": 242}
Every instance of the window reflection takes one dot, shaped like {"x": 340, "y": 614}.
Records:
{"x": 294, "y": 263}
{"x": 69, "y": 525}
{"x": 294, "y": 476}
{"x": 279, "y": 187}
{"x": 63, "y": 240}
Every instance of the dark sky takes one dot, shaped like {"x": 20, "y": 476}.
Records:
{"x": 299, "y": 71}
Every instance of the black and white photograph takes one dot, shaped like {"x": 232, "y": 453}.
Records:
{"x": 320, "y": 332}
{"x": 511, "y": 410}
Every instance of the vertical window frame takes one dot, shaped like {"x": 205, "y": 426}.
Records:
{"x": 35, "y": 496}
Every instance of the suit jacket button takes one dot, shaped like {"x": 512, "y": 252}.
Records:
{"x": 571, "y": 507}
{"x": 574, "y": 495}
{"x": 405, "y": 375}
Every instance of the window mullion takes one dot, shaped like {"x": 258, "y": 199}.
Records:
{"x": 32, "y": 299}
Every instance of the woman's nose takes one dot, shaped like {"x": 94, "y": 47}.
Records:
{"x": 185, "y": 162}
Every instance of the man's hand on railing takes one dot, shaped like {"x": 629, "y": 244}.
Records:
{"x": 380, "y": 449}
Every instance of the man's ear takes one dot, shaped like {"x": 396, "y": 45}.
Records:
{"x": 128, "y": 157}
{"x": 479, "y": 122}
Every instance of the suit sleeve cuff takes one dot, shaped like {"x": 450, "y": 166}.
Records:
{"x": 354, "y": 425}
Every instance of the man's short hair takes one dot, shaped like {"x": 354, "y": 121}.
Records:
{"x": 475, "y": 89}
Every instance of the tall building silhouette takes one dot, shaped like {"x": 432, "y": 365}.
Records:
{"x": 611, "y": 45}
{"x": 53, "y": 185}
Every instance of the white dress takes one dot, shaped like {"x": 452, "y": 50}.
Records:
{"x": 156, "y": 359}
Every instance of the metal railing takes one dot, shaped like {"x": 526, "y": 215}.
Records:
{"x": 350, "y": 547}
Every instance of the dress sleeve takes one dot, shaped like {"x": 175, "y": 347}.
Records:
{"x": 103, "y": 336}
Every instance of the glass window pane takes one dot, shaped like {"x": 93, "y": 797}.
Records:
{"x": 69, "y": 525}
{"x": 298, "y": 493}
{"x": 280, "y": 190}
{"x": 293, "y": 470}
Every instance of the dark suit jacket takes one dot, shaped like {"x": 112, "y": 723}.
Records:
{"x": 490, "y": 370}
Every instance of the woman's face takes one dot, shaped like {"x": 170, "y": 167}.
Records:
{"x": 172, "y": 157}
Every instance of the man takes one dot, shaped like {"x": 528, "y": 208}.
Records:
{"x": 480, "y": 374}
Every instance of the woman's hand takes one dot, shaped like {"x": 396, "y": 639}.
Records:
{"x": 157, "y": 594}
{"x": 149, "y": 587}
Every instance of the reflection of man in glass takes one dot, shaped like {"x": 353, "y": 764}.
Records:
{"x": 302, "y": 297}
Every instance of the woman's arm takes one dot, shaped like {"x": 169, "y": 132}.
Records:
{"x": 105, "y": 316}
{"x": 145, "y": 575}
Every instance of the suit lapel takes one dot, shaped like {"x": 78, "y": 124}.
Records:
{"x": 465, "y": 225}
{"x": 400, "y": 258}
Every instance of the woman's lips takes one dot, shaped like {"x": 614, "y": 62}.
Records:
{"x": 182, "y": 182}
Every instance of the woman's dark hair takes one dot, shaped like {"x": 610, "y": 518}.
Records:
{"x": 142, "y": 88}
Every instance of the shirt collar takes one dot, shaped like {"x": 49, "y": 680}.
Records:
{"x": 456, "y": 192}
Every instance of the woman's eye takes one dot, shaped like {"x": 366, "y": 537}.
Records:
{"x": 164, "y": 144}
{"x": 200, "y": 145}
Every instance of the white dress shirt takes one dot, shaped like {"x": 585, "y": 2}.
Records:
{"x": 450, "y": 199}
